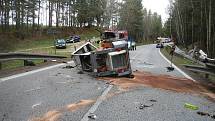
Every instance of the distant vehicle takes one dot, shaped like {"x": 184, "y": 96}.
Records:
{"x": 167, "y": 40}
{"x": 159, "y": 45}
{"x": 163, "y": 40}
{"x": 60, "y": 43}
{"x": 73, "y": 39}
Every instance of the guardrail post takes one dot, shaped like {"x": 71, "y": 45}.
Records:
{"x": 74, "y": 47}
{"x": 25, "y": 62}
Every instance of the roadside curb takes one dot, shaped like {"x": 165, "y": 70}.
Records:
{"x": 182, "y": 72}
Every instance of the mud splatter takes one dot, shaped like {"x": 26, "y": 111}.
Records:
{"x": 49, "y": 116}
{"x": 78, "y": 105}
{"x": 160, "y": 81}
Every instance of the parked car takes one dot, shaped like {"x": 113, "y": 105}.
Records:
{"x": 60, "y": 43}
{"x": 73, "y": 39}
{"x": 159, "y": 45}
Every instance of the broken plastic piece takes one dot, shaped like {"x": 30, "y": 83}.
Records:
{"x": 153, "y": 100}
{"x": 191, "y": 106}
{"x": 145, "y": 106}
{"x": 203, "y": 113}
{"x": 92, "y": 116}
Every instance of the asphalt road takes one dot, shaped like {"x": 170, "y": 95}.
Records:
{"x": 33, "y": 94}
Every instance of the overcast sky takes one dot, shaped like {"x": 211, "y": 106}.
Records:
{"x": 159, "y": 6}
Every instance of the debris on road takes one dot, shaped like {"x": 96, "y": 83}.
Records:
{"x": 92, "y": 116}
{"x": 35, "y": 105}
{"x": 203, "y": 113}
{"x": 80, "y": 72}
{"x": 169, "y": 69}
{"x": 68, "y": 67}
{"x": 153, "y": 100}
{"x": 142, "y": 106}
{"x": 213, "y": 116}
{"x": 131, "y": 76}
{"x": 4, "y": 116}
{"x": 191, "y": 106}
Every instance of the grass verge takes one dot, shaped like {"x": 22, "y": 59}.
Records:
{"x": 177, "y": 60}
{"x": 17, "y": 63}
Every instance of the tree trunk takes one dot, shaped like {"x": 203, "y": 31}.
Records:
{"x": 192, "y": 23}
{"x": 209, "y": 28}
{"x": 57, "y": 13}
{"x": 38, "y": 19}
{"x": 50, "y": 13}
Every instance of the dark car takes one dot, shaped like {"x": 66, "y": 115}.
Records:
{"x": 60, "y": 43}
{"x": 73, "y": 39}
{"x": 159, "y": 45}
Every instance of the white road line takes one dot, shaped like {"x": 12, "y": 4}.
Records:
{"x": 31, "y": 72}
{"x": 96, "y": 105}
{"x": 182, "y": 72}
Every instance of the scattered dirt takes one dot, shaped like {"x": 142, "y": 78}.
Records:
{"x": 160, "y": 81}
{"x": 56, "y": 114}
{"x": 78, "y": 105}
{"x": 49, "y": 116}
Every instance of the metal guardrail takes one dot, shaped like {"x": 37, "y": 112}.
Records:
{"x": 27, "y": 56}
{"x": 201, "y": 69}
{"x": 183, "y": 54}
